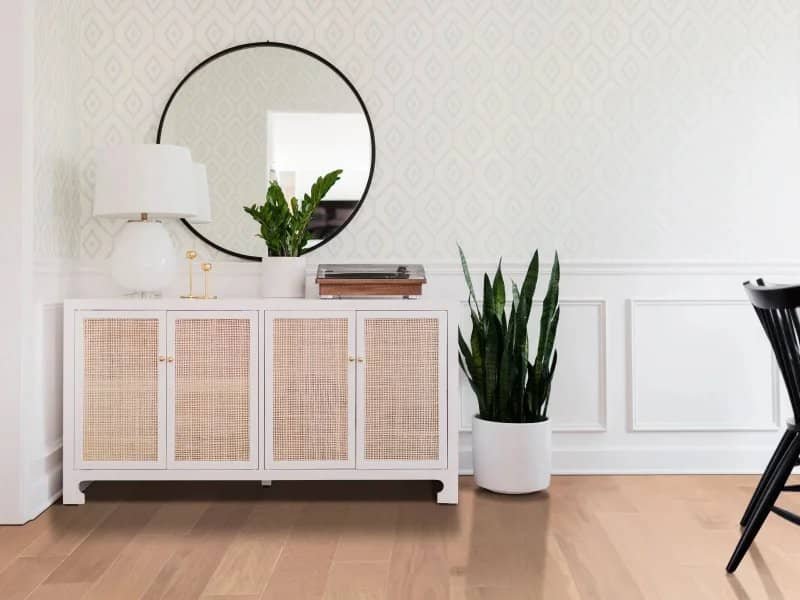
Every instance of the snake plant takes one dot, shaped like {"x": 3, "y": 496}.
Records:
{"x": 510, "y": 388}
{"x": 284, "y": 223}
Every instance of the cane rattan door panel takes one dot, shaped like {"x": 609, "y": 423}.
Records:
{"x": 213, "y": 389}
{"x": 310, "y": 382}
{"x": 402, "y": 390}
{"x": 120, "y": 385}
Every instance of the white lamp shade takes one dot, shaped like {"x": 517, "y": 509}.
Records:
{"x": 157, "y": 179}
{"x": 202, "y": 198}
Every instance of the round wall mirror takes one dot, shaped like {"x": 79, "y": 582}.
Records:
{"x": 270, "y": 112}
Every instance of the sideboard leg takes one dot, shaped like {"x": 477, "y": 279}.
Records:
{"x": 266, "y": 483}
{"x": 449, "y": 492}
{"x": 72, "y": 491}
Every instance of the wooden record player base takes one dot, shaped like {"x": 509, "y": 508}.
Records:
{"x": 366, "y": 287}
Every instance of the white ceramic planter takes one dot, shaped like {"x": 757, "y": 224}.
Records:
{"x": 511, "y": 458}
{"x": 283, "y": 277}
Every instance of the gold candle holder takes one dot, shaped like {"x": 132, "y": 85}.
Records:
{"x": 191, "y": 255}
{"x": 206, "y": 268}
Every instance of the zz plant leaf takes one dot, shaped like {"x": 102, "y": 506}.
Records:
{"x": 283, "y": 224}
{"x": 510, "y": 388}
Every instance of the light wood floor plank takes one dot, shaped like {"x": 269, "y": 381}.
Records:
{"x": 24, "y": 575}
{"x": 620, "y": 537}
{"x": 419, "y": 566}
{"x": 59, "y": 591}
{"x": 15, "y": 538}
{"x": 304, "y": 564}
{"x": 251, "y": 558}
{"x": 175, "y": 518}
{"x": 69, "y": 526}
{"x": 134, "y": 570}
{"x": 189, "y": 569}
{"x": 358, "y": 581}
{"x": 88, "y": 562}
{"x": 371, "y": 529}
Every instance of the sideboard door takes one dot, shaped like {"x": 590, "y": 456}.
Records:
{"x": 310, "y": 389}
{"x": 212, "y": 389}
{"x": 120, "y": 389}
{"x": 402, "y": 389}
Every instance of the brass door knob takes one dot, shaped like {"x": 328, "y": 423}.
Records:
{"x": 351, "y": 358}
{"x": 161, "y": 358}
{"x": 361, "y": 359}
{"x": 170, "y": 359}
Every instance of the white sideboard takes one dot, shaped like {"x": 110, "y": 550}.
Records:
{"x": 262, "y": 390}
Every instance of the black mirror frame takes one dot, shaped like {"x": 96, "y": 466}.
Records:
{"x": 232, "y": 49}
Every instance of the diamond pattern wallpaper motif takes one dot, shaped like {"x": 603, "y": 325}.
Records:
{"x": 609, "y": 129}
{"x": 56, "y": 131}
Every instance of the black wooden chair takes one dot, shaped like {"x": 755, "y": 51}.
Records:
{"x": 776, "y": 307}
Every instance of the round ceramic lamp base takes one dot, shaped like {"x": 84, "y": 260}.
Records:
{"x": 144, "y": 258}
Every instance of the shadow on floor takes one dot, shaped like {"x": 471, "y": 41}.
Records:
{"x": 280, "y": 491}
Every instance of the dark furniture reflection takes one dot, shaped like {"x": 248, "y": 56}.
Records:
{"x": 329, "y": 216}
{"x": 776, "y": 307}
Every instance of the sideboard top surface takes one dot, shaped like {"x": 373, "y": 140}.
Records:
{"x": 126, "y": 303}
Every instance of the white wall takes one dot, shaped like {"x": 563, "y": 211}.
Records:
{"x": 40, "y": 237}
{"x": 16, "y": 254}
{"x": 653, "y": 144}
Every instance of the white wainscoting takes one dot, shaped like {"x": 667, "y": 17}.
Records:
{"x": 43, "y": 413}
{"x": 695, "y": 365}
{"x": 54, "y": 280}
{"x": 663, "y": 367}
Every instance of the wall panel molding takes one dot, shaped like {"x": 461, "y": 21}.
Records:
{"x": 635, "y": 356}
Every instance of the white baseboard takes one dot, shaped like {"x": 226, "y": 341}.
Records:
{"x": 643, "y": 461}
{"x": 44, "y": 487}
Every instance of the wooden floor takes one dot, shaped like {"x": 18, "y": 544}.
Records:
{"x": 605, "y": 537}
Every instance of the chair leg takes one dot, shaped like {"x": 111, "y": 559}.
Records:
{"x": 768, "y": 473}
{"x": 770, "y": 495}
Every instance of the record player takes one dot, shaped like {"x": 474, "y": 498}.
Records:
{"x": 375, "y": 280}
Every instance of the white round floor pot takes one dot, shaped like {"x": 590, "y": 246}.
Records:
{"x": 283, "y": 277}
{"x": 511, "y": 458}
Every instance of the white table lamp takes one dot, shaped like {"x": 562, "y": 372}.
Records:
{"x": 142, "y": 182}
{"x": 203, "y": 215}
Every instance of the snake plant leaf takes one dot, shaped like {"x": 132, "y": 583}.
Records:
{"x": 488, "y": 297}
{"x": 529, "y": 284}
{"x": 499, "y": 289}
{"x": 505, "y": 383}
{"x": 468, "y": 278}
{"x": 529, "y": 394}
{"x": 548, "y": 307}
{"x": 462, "y": 346}
{"x": 473, "y": 385}
{"x": 514, "y": 294}
{"x": 478, "y": 347}
{"x": 492, "y": 363}
{"x": 547, "y": 341}
{"x": 546, "y": 393}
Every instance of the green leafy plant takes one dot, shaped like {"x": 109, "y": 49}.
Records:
{"x": 284, "y": 223}
{"x": 510, "y": 389}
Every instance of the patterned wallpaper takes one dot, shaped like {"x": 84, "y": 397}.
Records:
{"x": 57, "y": 227}
{"x": 616, "y": 129}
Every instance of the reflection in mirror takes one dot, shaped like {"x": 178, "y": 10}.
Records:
{"x": 301, "y": 146}
{"x": 265, "y": 112}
